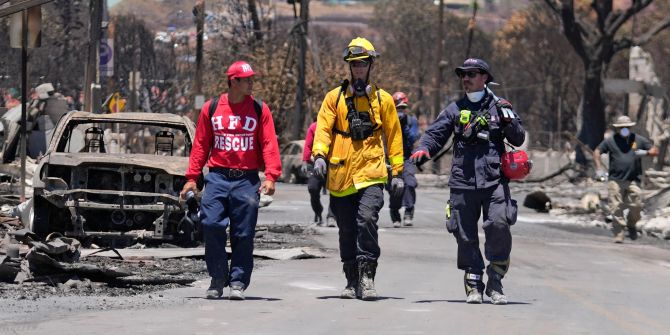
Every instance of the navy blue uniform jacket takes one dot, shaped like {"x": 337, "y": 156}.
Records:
{"x": 475, "y": 165}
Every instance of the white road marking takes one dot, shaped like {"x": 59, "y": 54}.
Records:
{"x": 417, "y": 310}
{"x": 312, "y": 286}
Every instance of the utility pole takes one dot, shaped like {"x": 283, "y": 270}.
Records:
{"x": 258, "y": 35}
{"x": 440, "y": 65}
{"x": 24, "y": 101}
{"x": 438, "y": 74}
{"x": 298, "y": 116}
{"x": 91, "y": 74}
{"x": 199, "y": 12}
{"x": 471, "y": 27}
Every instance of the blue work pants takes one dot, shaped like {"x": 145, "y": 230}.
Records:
{"x": 231, "y": 201}
{"x": 408, "y": 197}
{"x": 314, "y": 186}
{"x": 499, "y": 210}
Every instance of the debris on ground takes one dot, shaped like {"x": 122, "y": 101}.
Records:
{"x": 538, "y": 201}
{"x": 62, "y": 266}
{"x": 585, "y": 201}
{"x": 656, "y": 212}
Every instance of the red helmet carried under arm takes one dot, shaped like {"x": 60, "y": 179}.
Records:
{"x": 515, "y": 164}
{"x": 400, "y": 99}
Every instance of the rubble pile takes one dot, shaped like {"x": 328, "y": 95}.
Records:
{"x": 656, "y": 214}
{"x": 10, "y": 175}
{"x": 61, "y": 266}
{"x": 585, "y": 202}
{"x": 585, "y": 199}
{"x": 57, "y": 262}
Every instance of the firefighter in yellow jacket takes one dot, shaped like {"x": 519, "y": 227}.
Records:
{"x": 354, "y": 122}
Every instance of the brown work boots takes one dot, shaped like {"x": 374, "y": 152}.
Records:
{"x": 618, "y": 237}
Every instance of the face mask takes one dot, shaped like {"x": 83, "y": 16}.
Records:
{"x": 402, "y": 117}
{"x": 359, "y": 87}
{"x": 475, "y": 96}
{"x": 624, "y": 132}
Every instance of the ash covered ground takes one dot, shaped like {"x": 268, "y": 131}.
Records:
{"x": 14, "y": 295}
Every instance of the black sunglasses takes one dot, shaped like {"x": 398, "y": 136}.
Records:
{"x": 470, "y": 74}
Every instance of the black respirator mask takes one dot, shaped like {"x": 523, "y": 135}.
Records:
{"x": 402, "y": 117}
{"x": 360, "y": 87}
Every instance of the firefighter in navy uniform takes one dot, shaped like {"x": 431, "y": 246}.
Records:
{"x": 480, "y": 122}
{"x": 354, "y": 122}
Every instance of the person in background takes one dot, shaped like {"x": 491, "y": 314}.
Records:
{"x": 625, "y": 150}
{"x": 410, "y": 133}
{"x": 314, "y": 182}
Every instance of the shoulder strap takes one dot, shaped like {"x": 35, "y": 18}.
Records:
{"x": 212, "y": 106}
{"x": 213, "y": 103}
{"x": 379, "y": 100}
{"x": 345, "y": 84}
{"x": 258, "y": 107}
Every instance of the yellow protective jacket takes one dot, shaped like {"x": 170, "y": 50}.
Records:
{"x": 356, "y": 164}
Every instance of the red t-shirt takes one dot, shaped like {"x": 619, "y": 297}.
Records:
{"x": 234, "y": 138}
{"x": 309, "y": 141}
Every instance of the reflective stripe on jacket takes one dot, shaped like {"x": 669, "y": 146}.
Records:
{"x": 353, "y": 165}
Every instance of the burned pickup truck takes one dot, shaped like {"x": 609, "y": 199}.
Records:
{"x": 115, "y": 176}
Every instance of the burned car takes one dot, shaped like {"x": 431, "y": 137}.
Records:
{"x": 115, "y": 176}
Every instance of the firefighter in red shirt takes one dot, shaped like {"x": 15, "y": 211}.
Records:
{"x": 235, "y": 141}
{"x": 314, "y": 182}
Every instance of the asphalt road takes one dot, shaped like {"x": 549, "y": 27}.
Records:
{"x": 563, "y": 280}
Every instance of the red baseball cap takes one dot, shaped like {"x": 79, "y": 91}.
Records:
{"x": 240, "y": 69}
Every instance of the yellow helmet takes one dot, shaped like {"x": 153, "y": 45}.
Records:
{"x": 359, "y": 48}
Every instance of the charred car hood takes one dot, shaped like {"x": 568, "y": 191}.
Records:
{"x": 170, "y": 164}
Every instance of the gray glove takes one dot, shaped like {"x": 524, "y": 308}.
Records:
{"x": 601, "y": 175}
{"x": 304, "y": 168}
{"x": 320, "y": 167}
{"x": 397, "y": 186}
{"x": 641, "y": 152}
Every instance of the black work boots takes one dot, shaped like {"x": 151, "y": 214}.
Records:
{"x": 351, "y": 273}
{"x": 473, "y": 288}
{"x": 360, "y": 280}
{"x": 366, "y": 272}
{"x": 494, "y": 288}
